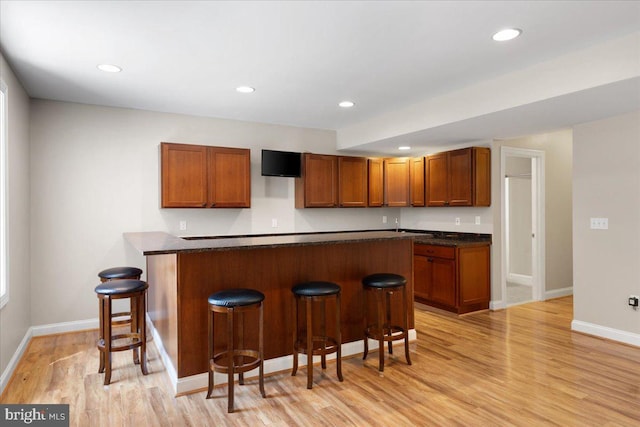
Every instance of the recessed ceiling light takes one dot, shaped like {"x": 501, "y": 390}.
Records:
{"x": 245, "y": 89}
{"x": 109, "y": 68}
{"x": 507, "y": 34}
{"x": 346, "y": 104}
{"x": 404, "y": 147}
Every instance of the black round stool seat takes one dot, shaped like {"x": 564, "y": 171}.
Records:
{"x": 118, "y": 287}
{"x": 120, "y": 273}
{"x": 315, "y": 289}
{"x": 236, "y": 297}
{"x": 384, "y": 280}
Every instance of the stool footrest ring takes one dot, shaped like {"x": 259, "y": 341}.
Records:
{"x": 321, "y": 346}
{"x": 237, "y": 367}
{"x": 390, "y": 333}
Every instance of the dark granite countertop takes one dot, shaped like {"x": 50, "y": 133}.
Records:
{"x": 156, "y": 242}
{"x": 449, "y": 238}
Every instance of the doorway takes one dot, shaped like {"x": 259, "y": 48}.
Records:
{"x": 522, "y": 178}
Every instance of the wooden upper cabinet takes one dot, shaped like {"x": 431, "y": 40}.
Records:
{"x": 184, "y": 176}
{"x": 229, "y": 178}
{"x": 416, "y": 176}
{"x": 197, "y": 176}
{"x": 318, "y": 185}
{"x": 436, "y": 179}
{"x": 376, "y": 182}
{"x": 459, "y": 177}
{"x": 352, "y": 181}
{"x": 482, "y": 176}
{"x": 396, "y": 182}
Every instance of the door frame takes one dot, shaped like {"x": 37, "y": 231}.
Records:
{"x": 538, "y": 218}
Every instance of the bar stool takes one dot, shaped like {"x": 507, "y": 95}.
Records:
{"x": 308, "y": 343}
{"x": 384, "y": 285}
{"x": 232, "y": 360}
{"x": 123, "y": 317}
{"x": 136, "y": 291}
{"x": 117, "y": 273}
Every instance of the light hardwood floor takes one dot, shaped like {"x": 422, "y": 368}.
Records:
{"x": 521, "y": 366}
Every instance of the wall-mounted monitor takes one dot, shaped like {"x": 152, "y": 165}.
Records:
{"x": 280, "y": 163}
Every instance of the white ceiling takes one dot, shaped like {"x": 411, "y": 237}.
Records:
{"x": 303, "y": 57}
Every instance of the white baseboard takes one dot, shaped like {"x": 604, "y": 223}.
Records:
{"x": 13, "y": 363}
{"x": 36, "y": 331}
{"x": 520, "y": 279}
{"x": 180, "y": 385}
{"x": 606, "y": 332}
{"x": 557, "y": 293}
{"x": 554, "y": 293}
{"x": 59, "y": 328}
{"x": 279, "y": 364}
{"x": 497, "y": 305}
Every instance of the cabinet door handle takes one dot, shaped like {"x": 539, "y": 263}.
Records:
{"x": 204, "y": 205}
{"x": 430, "y": 259}
{"x": 212, "y": 205}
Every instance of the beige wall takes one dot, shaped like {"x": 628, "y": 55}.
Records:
{"x": 15, "y": 316}
{"x": 95, "y": 175}
{"x": 558, "y": 240}
{"x": 606, "y": 179}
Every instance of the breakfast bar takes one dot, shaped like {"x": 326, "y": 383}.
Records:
{"x": 183, "y": 272}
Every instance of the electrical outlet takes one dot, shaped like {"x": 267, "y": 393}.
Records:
{"x": 384, "y": 219}
{"x": 274, "y": 222}
{"x": 183, "y": 225}
{"x": 634, "y": 301}
{"x": 477, "y": 219}
{"x": 599, "y": 223}
{"x": 457, "y": 221}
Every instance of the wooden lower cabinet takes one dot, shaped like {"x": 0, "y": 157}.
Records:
{"x": 456, "y": 279}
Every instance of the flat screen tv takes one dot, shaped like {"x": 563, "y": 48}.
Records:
{"x": 280, "y": 163}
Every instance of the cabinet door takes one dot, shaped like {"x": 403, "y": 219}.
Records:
{"x": 473, "y": 277}
{"x": 443, "y": 281}
{"x": 416, "y": 172}
{"x": 376, "y": 182}
{"x": 318, "y": 187}
{"x": 421, "y": 277}
{"x": 482, "y": 176}
{"x": 184, "y": 175}
{"x": 352, "y": 181}
{"x": 396, "y": 182}
{"x": 460, "y": 177}
{"x": 437, "y": 182}
{"x": 229, "y": 178}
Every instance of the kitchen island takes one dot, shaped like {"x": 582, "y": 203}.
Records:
{"x": 183, "y": 272}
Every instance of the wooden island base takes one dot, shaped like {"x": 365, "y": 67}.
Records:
{"x": 180, "y": 283}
